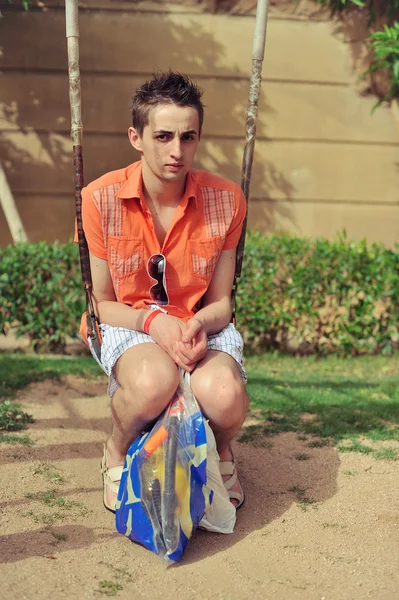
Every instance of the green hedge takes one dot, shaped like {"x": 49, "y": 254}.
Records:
{"x": 295, "y": 294}
{"x": 41, "y": 293}
{"x": 316, "y": 296}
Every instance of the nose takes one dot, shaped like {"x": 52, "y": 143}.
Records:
{"x": 176, "y": 149}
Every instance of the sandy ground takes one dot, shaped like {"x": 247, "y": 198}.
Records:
{"x": 344, "y": 545}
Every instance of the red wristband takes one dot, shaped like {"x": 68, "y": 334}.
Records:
{"x": 149, "y": 319}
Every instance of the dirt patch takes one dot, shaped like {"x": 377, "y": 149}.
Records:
{"x": 316, "y": 524}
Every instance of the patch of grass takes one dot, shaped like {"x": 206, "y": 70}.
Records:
{"x": 109, "y": 588}
{"x": 349, "y": 473}
{"x": 305, "y": 503}
{"x": 48, "y": 520}
{"x": 302, "y": 456}
{"x": 252, "y": 434}
{"x": 17, "y": 370}
{"x": 118, "y": 572}
{"x": 355, "y": 446}
{"x": 386, "y": 454}
{"x": 13, "y": 418}
{"x": 299, "y": 492}
{"x": 50, "y": 498}
{"x": 59, "y": 537}
{"x": 49, "y": 472}
{"x": 332, "y": 399}
{"x": 318, "y": 443}
{"x": 24, "y": 440}
{"x": 333, "y": 526}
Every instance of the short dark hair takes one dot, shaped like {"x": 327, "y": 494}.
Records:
{"x": 165, "y": 88}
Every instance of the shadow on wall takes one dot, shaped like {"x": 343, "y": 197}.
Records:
{"x": 35, "y": 146}
{"x": 354, "y": 28}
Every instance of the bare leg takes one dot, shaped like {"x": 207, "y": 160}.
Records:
{"x": 216, "y": 383}
{"x": 148, "y": 378}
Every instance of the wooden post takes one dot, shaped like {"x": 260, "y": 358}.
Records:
{"x": 258, "y": 51}
{"x": 10, "y": 210}
{"x": 72, "y": 34}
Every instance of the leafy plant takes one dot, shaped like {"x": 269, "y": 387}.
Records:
{"x": 375, "y": 8}
{"x": 316, "y": 296}
{"x": 12, "y": 418}
{"x": 385, "y": 46}
{"x": 41, "y": 292}
{"x": 296, "y": 294}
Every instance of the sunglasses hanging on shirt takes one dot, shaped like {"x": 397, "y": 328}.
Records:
{"x": 156, "y": 269}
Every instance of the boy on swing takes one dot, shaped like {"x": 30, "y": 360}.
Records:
{"x": 162, "y": 239}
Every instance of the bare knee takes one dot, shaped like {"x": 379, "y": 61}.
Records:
{"x": 223, "y": 398}
{"x": 151, "y": 387}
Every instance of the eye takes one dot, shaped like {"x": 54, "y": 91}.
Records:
{"x": 162, "y": 137}
{"x": 188, "y": 136}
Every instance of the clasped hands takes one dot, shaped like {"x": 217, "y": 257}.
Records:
{"x": 186, "y": 343}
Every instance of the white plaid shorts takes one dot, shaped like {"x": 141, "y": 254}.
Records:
{"x": 116, "y": 340}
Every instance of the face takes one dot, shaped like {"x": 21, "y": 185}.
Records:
{"x": 169, "y": 141}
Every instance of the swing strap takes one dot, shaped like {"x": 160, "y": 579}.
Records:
{"x": 93, "y": 328}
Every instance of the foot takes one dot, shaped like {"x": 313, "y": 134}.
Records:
{"x": 111, "y": 474}
{"x": 229, "y": 476}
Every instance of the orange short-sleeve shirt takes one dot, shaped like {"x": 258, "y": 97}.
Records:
{"x": 119, "y": 228}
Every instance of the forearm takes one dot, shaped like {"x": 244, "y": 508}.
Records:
{"x": 117, "y": 314}
{"x": 215, "y": 316}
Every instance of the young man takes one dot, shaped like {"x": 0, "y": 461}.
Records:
{"x": 162, "y": 240}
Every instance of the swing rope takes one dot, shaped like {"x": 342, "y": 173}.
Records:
{"x": 258, "y": 52}
{"x": 72, "y": 35}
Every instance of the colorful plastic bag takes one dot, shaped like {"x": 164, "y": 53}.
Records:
{"x": 171, "y": 482}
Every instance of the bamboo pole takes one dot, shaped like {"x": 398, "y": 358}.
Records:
{"x": 72, "y": 35}
{"x": 258, "y": 51}
{"x": 10, "y": 210}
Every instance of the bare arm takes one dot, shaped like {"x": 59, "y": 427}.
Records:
{"x": 107, "y": 308}
{"x": 216, "y": 311}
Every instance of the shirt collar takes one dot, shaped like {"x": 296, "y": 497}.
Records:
{"x": 132, "y": 187}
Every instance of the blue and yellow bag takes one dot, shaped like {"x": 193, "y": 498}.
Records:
{"x": 163, "y": 492}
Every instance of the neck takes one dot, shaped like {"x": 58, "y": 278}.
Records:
{"x": 161, "y": 193}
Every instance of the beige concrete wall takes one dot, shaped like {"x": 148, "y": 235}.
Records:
{"x": 323, "y": 162}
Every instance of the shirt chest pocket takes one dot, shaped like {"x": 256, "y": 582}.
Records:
{"x": 125, "y": 255}
{"x": 203, "y": 256}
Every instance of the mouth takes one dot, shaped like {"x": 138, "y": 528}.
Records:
{"x": 175, "y": 165}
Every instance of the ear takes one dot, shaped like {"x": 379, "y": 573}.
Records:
{"x": 134, "y": 138}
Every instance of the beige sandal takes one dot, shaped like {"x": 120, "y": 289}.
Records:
{"x": 111, "y": 479}
{"x": 227, "y": 467}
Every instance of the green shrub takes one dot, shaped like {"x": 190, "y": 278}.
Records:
{"x": 41, "y": 293}
{"x": 385, "y": 46}
{"x": 316, "y": 296}
{"x": 374, "y": 8}
{"x": 295, "y": 294}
